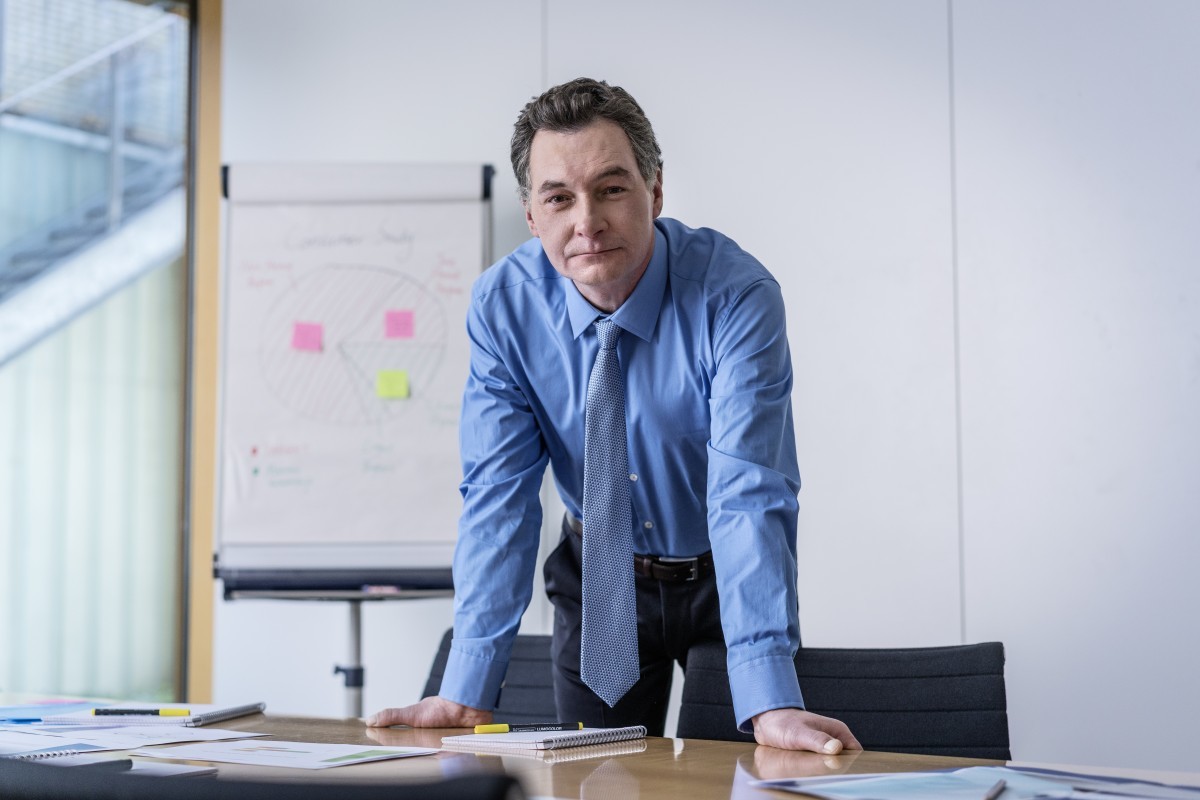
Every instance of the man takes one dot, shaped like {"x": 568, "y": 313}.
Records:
{"x": 618, "y": 342}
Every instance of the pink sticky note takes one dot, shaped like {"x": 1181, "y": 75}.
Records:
{"x": 398, "y": 325}
{"x": 308, "y": 336}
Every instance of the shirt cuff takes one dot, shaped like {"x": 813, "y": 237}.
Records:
{"x": 762, "y": 685}
{"x": 471, "y": 680}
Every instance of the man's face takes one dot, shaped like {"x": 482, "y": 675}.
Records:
{"x": 592, "y": 210}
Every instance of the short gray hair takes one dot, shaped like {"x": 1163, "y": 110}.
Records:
{"x": 574, "y": 105}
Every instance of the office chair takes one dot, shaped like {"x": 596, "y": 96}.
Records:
{"x": 33, "y": 781}
{"x": 528, "y": 691}
{"x": 932, "y": 700}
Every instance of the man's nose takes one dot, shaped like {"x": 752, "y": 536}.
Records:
{"x": 589, "y": 221}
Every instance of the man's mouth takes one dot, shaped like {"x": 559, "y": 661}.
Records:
{"x": 591, "y": 252}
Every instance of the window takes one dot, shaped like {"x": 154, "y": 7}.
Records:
{"x": 93, "y": 300}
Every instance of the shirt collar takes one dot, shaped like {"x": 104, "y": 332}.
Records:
{"x": 639, "y": 313}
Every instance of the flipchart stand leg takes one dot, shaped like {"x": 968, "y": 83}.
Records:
{"x": 353, "y": 672}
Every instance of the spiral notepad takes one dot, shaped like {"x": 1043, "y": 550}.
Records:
{"x": 75, "y": 758}
{"x": 26, "y": 746}
{"x": 541, "y": 740}
{"x": 560, "y": 755}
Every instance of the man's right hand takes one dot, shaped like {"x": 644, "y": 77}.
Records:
{"x": 432, "y": 712}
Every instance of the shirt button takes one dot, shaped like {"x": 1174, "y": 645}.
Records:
{"x": 648, "y": 524}
{"x": 633, "y": 476}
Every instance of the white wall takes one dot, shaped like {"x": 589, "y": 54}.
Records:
{"x": 1079, "y": 265}
{"x": 979, "y": 213}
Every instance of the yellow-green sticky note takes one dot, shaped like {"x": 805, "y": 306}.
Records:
{"x": 391, "y": 384}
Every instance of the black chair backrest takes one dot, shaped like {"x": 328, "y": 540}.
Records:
{"x": 932, "y": 700}
{"x": 528, "y": 692}
{"x": 34, "y": 781}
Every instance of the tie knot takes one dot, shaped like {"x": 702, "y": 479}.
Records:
{"x": 607, "y": 332}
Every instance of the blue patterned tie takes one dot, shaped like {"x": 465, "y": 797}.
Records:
{"x": 609, "y": 650}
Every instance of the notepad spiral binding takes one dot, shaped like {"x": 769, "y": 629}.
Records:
{"x": 40, "y": 756}
{"x": 599, "y": 736}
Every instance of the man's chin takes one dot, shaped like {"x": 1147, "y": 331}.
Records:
{"x": 597, "y": 278}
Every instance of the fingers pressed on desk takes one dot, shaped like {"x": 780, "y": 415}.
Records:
{"x": 432, "y": 712}
{"x": 796, "y": 729}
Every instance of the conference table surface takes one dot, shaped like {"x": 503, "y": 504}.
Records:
{"x": 694, "y": 769}
{"x": 667, "y": 768}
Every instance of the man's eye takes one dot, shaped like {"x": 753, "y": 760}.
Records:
{"x": 614, "y": 190}
{"x": 556, "y": 199}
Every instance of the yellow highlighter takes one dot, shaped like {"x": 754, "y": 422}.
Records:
{"x": 504, "y": 727}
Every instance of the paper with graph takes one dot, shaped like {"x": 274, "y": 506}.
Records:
{"x": 299, "y": 755}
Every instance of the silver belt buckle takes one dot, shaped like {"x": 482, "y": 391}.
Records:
{"x": 692, "y": 563}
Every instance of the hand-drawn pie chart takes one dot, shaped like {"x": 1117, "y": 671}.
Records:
{"x": 336, "y": 381}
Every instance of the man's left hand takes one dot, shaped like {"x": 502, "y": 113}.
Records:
{"x": 796, "y": 729}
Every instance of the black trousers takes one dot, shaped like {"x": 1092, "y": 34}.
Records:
{"x": 672, "y": 617}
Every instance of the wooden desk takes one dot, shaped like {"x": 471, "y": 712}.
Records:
{"x": 668, "y": 768}
{"x": 687, "y": 769}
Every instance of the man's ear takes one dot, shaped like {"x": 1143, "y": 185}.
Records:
{"x": 529, "y": 220}
{"x": 656, "y": 192}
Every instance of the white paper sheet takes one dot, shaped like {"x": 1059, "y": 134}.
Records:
{"x": 273, "y": 753}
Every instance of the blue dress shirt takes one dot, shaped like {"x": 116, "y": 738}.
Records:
{"x": 712, "y": 454}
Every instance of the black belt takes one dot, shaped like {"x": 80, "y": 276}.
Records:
{"x": 672, "y": 570}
